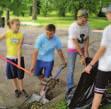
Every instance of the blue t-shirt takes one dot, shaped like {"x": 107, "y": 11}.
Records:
{"x": 47, "y": 47}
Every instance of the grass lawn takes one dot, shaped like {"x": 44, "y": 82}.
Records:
{"x": 62, "y": 105}
{"x": 106, "y": 107}
{"x": 64, "y": 22}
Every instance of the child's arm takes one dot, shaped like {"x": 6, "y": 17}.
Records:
{"x": 34, "y": 58}
{"x": 60, "y": 53}
{"x": 97, "y": 56}
{"x": 103, "y": 46}
{"x": 37, "y": 46}
{"x": 78, "y": 47}
{"x": 79, "y": 51}
{"x": 86, "y": 45}
{"x": 19, "y": 51}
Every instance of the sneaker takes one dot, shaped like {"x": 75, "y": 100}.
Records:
{"x": 17, "y": 93}
{"x": 69, "y": 95}
{"x": 23, "y": 92}
{"x": 68, "y": 92}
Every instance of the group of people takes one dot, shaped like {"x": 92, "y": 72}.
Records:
{"x": 42, "y": 61}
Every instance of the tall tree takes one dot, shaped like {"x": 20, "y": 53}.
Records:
{"x": 10, "y": 5}
{"x": 34, "y": 10}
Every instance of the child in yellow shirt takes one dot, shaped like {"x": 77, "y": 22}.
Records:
{"x": 14, "y": 40}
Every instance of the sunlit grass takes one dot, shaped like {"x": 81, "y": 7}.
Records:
{"x": 64, "y": 22}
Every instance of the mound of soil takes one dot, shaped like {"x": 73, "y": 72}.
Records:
{"x": 51, "y": 95}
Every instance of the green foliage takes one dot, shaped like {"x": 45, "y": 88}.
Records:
{"x": 61, "y": 105}
{"x": 16, "y": 6}
{"x": 105, "y": 2}
{"x": 90, "y": 5}
{"x": 64, "y": 6}
{"x": 60, "y": 6}
{"x": 25, "y": 7}
{"x": 45, "y": 6}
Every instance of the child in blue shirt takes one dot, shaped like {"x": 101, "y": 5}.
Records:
{"x": 44, "y": 51}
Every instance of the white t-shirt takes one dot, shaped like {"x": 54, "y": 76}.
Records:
{"x": 105, "y": 60}
{"x": 77, "y": 32}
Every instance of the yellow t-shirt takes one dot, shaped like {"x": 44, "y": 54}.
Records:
{"x": 12, "y": 43}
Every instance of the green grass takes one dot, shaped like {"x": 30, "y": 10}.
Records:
{"x": 64, "y": 22}
{"x": 59, "y": 105}
{"x": 106, "y": 107}
{"x": 98, "y": 23}
{"x": 62, "y": 105}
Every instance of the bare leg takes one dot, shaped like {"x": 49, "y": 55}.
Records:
{"x": 97, "y": 101}
{"x": 20, "y": 83}
{"x": 21, "y": 88}
{"x": 14, "y": 82}
{"x": 43, "y": 86}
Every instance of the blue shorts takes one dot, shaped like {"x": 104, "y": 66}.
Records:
{"x": 13, "y": 72}
{"x": 41, "y": 66}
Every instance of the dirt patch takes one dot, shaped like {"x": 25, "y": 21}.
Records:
{"x": 51, "y": 95}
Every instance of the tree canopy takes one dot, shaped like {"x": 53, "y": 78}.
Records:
{"x": 44, "y": 7}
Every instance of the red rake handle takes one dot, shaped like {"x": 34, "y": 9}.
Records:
{"x": 6, "y": 60}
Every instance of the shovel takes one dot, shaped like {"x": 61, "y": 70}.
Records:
{"x": 42, "y": 99}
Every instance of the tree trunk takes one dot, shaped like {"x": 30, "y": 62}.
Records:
{"x": 38, "y": 7}
{"x": 62, "y": 12}
{"x": 75, "y": 13}
{"x": 34, "y": 10}
{"x": 7, "y": 15}
{"x": 30, "y": 11}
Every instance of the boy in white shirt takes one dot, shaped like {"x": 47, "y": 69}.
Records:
{"x": 78, "y": 42}
{"x": 104, "y": 68}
